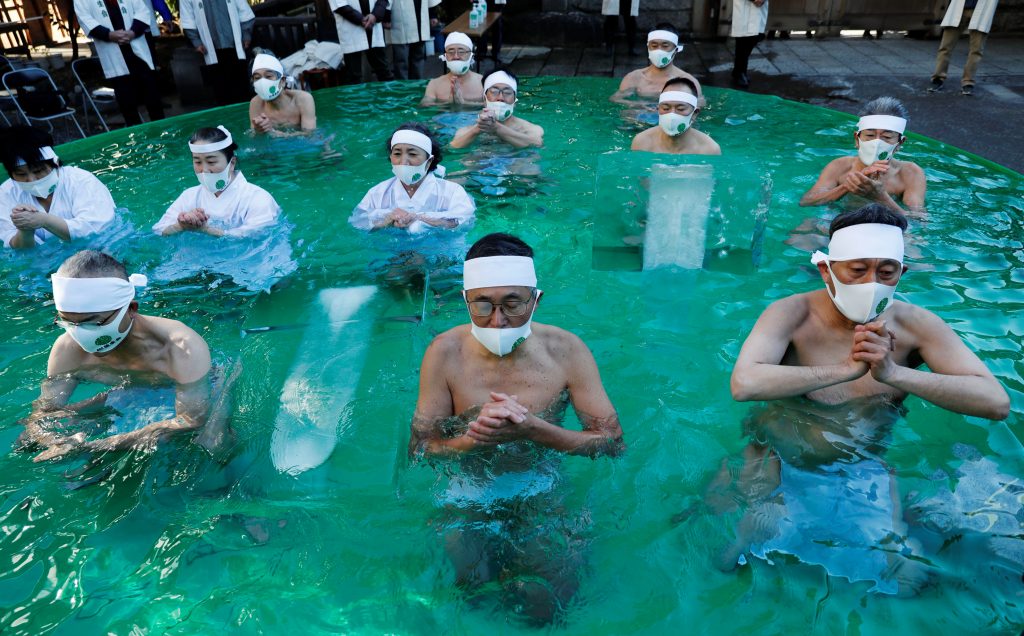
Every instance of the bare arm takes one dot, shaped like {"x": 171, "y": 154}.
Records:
{"x": 914, "y": 187}
{"x": 759, "y": 373}
{"x": 307, "y": 112}
{"x": 958, "y": 381}
{"x": 433, "y": 408}
{"x": 533, "y": 135}
{"x": 827, "y": 188}
{"x": 627, "y": 89}
{"x": 465, "y": 136}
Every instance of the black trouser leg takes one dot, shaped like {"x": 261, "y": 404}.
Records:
{"x": 417, "y": 53}
{"x": 611, "y": 25}
{"x": 744, "y": 47}
{"x": 127, "y": 99}
{"x": 353, "y": 72}
{"x": 146, "y": 87}
{"x": 378, "y": 59}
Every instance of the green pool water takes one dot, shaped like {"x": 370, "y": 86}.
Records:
{"x": 176, "y": 542}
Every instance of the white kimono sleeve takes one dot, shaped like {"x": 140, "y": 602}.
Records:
{"x": 461, "y": 207}
{"x": 261, "y": 212}
{"x": 7, "y": 229}
{"x": 370, "y": 209}
{"x": 93, "y": 207}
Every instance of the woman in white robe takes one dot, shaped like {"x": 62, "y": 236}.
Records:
{"x": 415, "y": 199}
{"x": 224, "y": 203}
{"x": 43, "y": 199}
{"x": 749, "y": 20}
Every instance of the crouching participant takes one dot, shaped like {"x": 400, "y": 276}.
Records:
{"x": 107, "y": 341}
{"x": 493, "y": 395}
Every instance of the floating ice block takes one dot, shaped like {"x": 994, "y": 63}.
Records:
{"x": 677, "y": 215}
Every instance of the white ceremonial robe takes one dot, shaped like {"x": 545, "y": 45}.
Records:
{"x": 193, "y": 16}
{"x": 403, "y": 21}
{"x": 93, "y": 13}
{"x": 981, "y": 19}
{"x": 435, "y": 198}
{"x": 748, "y": 19}
{"x": 241, "y": 208}
{"x": 611, "y": 7}
{"x": 353, "y": 37}
{"x": 80, "y": 199}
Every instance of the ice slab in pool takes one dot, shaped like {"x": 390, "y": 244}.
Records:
{"x": 323, "y": 379}
{"x": 681, "y": 211}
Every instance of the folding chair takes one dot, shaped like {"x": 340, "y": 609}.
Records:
{"x": 5, "y": 95}
{"x": 89, "y": 69}
{"x": 37, "y": 97}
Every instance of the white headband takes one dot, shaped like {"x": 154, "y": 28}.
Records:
{"x": 500, "y": 77}
{"x": 667, "y": 36}
{"x": 498, "y": 271}
{"x": 866, "y": 240}
{"x": 456, "y": 38}
{"x": 46, "y": 152}
{"x": 268, "y": 62}
{"x": 413, "y": 138}
{"x": 214, "y": 146}
{"x": 882, "y": 122}
{"x": 678, "y": 96}
{"x": 93, "y": 295}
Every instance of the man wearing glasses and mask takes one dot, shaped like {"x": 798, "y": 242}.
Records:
{"x": 460, "y": 85}
{"x": 496, "y": 120}
{"x": 107, "y": 341}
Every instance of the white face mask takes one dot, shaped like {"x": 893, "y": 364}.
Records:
{"x": 216, "y": 181}
{"x": 875, "y": 150}
{"x": 99, "y": 338}
{"x": 501, "y": 342}
{"x": 501, "y": 110}
{"x": 674, "y": 123}
{"x": 41, "y": 188}
{"x": 458, "y": 67}
{"x": 267, "y": 89}
{"x": 660, "y": 58}
{"x": 860, "y": 303}
{"x": 411, "y": 175}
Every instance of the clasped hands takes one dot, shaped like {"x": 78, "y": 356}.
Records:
{"x": 193, "y": 219}
{"x": 486, "y": 121}
{"x": 121, "y": 36}
{"x": 873, "y": 345}
{"x": 867, "y": 182}
{"x": 25, "y": 217}
{"x": 400, "y": 218}
{"x": 503, "y": 419}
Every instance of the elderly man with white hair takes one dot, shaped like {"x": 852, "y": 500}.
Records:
{"x": 460, "y": 85}
{"x": 501, "y": 90}
{"x": 275, "y": 106}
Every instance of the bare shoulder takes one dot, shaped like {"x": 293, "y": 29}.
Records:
{"x": 189, "y": 354}
{"x": 448, "y": 342}
{"x": 644, "y": 139}
{"x": 909, "y": 169}
{"x": 917, "y": 320}
{"x": 303, "y": 98}
{"x": 789, "y": 311}
{"x": 65, "y": 356}
{"x": 560, "y": 344}
{"x": 631, "y": 79}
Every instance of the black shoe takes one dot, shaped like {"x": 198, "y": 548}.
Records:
{"x": 936, "y": 85}
{"x": 967, "y": 91}
{"x": 741, "y": 80}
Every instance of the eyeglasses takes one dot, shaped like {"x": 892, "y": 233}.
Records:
{"x": 457, "y": 54}
{"x": 67, "y": 324}
{"x": 500, "y": 92}
{"x": 511, "y": 308}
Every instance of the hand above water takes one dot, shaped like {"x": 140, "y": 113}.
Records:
{"x": 25, "y": 217}
{"x": 860, "y": 184}
{"x": 485, "y": 121}
{"x": 193, "y": 219}
{"x": 874, "y": 344}
{"x": 503, "y": 419}
{"x": 263, "y": 123}
{"x": 400, "y": 218}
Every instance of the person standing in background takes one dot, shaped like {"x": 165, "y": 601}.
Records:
{"x": 222, "y": 31}
{"x": 117, "y": 28}
{"x": 360, "y": 33}
{"x": 410, "y": 24}
{"x": 498, "y": 30}
{"x": 611, "y": 10}
{"x": 976, "y": 16}
{"x": 749, "y": 19}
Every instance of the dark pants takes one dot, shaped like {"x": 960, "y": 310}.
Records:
{"x": 137, "y": 88}
{"x": 229, "y": 78}
{"x": 376, "y": 57}
{"x": 408, "y": 60}
{"x": 611, "y": 25}
{"x": 498, "y": 30}
{"x": 744, "y": 47}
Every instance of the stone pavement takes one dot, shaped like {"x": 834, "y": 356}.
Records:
{"x": 843, "y": 73}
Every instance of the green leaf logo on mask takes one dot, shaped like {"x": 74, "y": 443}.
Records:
{"x": 882, "y": 156}
{"x": 515, "y": 345}
{"x": 273, "y": 90}
{"x": 881, "y": 305}
{"x": 221, "y": 184}
{"x": 416, "y": 177}
{"x": 102, "y": 341}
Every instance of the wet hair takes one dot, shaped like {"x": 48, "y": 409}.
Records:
{"x": 884, "y": 106}
{"x": 665, "y": 26}
{"x": 435, "y": 147}
{"x": 22, "y": 143}
{"x": 92, "y": 264}
{"x": 681, "y": 80}
{"x": 871, "y": 213}
{"x": 211, "y": 135}
{"x": 499, "y": 244}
